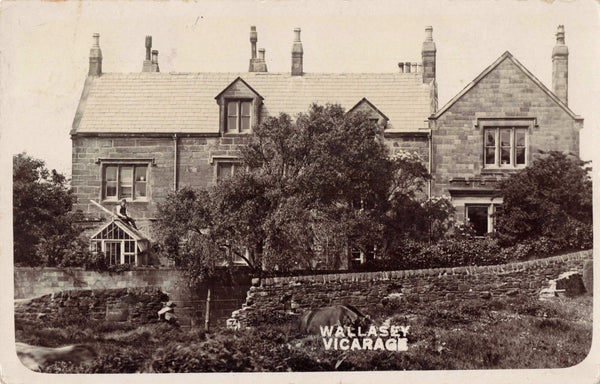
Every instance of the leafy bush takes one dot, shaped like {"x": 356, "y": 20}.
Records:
{"x": 118, "y": 361}
{"x": 551, "y": 198}
{"x": 465, "y": 251}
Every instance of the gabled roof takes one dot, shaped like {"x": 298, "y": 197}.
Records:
{"x": 505, "y": 56}
{"x": 132, "y": 232}
{"x": 148, "y": 102}
{"x": 370, "y": 105}
{"x": 239, "y": 79}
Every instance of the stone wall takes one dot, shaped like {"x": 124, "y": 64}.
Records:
{"x": 226, "y": 295}
{"x": 137, "y": 305}
{"x": 33, "y": 282}
{"x": 409, "y": 142}
{"x": 274, "y": 296}
{"x": 196, "y": 160}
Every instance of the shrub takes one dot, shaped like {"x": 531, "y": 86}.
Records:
{"x": 118, "y": 361}
{"x": 462, "y": 251}
{"x": 552, "y": 198}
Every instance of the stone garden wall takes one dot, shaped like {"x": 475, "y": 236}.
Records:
{"x": 137, "y": 305}
{"x": 226, "y": 295}
{"x": 275, "y": 296}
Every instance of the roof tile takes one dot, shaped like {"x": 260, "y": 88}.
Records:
{"x": 184, "y": 102}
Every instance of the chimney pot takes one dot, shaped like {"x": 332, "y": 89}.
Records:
{"x": 147, "y": 65}
{"x": 261, "y": 54}
{"x": 401, "y": 66}
{"x": 429, "y": 33}
{"x": 407, "y": 67}
{"x": 253, "y": 40}
{"x": 148, "y": 46}
{"x": 95, "y": 68}
{"x": 560, "y": 34}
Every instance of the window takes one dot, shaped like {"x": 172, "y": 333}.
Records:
{"x": 505, "y": 147}
{"x": 125, "y": 182}
{"x": 358, "y": 257}
{"x": 238, "y": 116}
{"x": 477, "y": 215}
{"x": 481, "y": 216}
{"x": 226, "y": 169}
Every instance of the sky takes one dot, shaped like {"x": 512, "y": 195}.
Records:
{"x": 45, "y": 48}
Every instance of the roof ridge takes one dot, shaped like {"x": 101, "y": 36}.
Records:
{"x": 258, "y": 74}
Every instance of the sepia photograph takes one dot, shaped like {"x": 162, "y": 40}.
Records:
{"x": 285, "y": 191}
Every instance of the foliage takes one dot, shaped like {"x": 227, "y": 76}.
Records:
{"x": 467, "y": 251}
{"x": 43, "y": 224}
{"x": 505, "y": 332}
{"x": 183, "y": 235}
{"x": 308, "y": 190}
{"x": 552, "y": 198}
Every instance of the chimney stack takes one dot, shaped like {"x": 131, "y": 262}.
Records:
{"x": 428, "y": 55}
{"x": 155, "y": 61}
{"x": 297, "y": 53}
{"x": 560, "y": 66}
{"x": 261, "y": 65}
{"x": 257, "y": 64}
{"x": 147, "y": 66}
{"x": 95, "y": 57}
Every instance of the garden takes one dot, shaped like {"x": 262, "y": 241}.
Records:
{"x": 498, "y": 333}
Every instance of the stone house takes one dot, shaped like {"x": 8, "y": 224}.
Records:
{"x": 495, "y": 126}
{"x": 138, "y": 136}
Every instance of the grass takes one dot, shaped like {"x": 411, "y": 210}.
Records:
{"x": 514, "y": 332}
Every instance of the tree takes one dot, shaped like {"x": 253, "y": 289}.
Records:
{"x": 44, "y": 233}
{"x": 310, "y": 189}
{"x": 551, "y": 198}
{"x": 183, "y": 229}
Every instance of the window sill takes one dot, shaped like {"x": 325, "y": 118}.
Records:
{"x": 237, "y": 133}
{"x": 501, "y": 170}
{"x": 111, "y": 201}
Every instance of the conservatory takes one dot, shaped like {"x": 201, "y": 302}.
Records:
{"x": 120, "y": 243}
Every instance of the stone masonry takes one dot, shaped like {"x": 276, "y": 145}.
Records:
{"x": 194, "y": 167}
{"x": 367, "y": 290}
{"x": 506, "y": 92}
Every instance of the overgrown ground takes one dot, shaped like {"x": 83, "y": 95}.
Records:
{"x": 515, "y": 332}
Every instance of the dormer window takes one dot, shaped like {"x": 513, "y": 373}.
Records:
{"x": 373, "y": 113}
{"x": 239, "y": 116}
{"x": 239, "y": 108}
